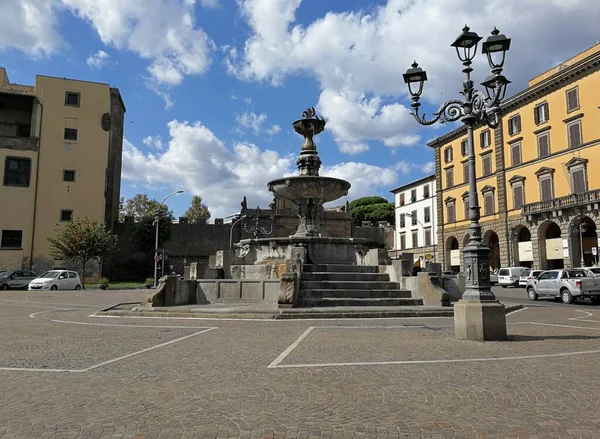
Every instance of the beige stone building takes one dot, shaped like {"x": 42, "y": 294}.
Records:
{"x": 61, "y": 144}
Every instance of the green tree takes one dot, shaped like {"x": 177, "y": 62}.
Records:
{"x": 198, "y": 212}
{"x": 141, "y": 206}
{"x": 81, "y": 241}
{"x": 144, "y": 234}
{"x": 372, "y": 209}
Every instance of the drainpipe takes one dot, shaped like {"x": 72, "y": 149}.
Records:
{"x": 37, "y": 180}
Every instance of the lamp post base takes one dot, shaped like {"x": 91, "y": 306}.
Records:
{"x": 479, "y": 320}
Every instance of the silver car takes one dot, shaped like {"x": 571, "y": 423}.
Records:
{"x": 16, "y": 279}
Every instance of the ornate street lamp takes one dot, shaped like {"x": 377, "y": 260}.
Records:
{"x": 513, "y": 237}
{"x": 157, "y": 215}
{"x": 580, "y": 228}
{"x": 477, "y": 108}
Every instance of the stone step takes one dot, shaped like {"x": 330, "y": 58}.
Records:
{"x": 348, "y": 285}
{"x": 339, "y": 268}
{"x": 327, "y": 302}
{"x": 345, "y": 277}
{"x": 359, "y": 294}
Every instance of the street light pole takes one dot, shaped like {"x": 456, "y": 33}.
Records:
{"x": 231, "y": 231}
{"x": 476, "y": 109}
{"x": 581, "y": 228}
{"x": 513, "y": 237}
{"x": 156, "y": 222}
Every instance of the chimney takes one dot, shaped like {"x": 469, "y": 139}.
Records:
{"x": 3, "y": 77}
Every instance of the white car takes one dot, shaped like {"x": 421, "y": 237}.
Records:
{"x": 56, "y": 280}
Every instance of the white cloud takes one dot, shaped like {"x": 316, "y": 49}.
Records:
{"x": 359, "y": 57}
{"x": 428, "y": 168}
{"x": 273, "y": 130}
{"x": 255, "y": 122}
{"x": 30, "y": 26}
{"x": 196, "y": 160}
{"x": 98, "y": 59}
{"x": 210, "y": 4}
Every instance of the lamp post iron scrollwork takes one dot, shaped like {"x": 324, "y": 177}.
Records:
{"x": 252, "y": 224}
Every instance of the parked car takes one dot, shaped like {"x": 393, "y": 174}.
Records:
{"x": 510, "y": 276}
{"x": 595, "y": 271}
{"x": 493, "y": 279}
{"x": 15, "y": 279}
{"x": 527, "y": 276}
{"x": 567, "y": 285}
{"x": 56, "y": 280}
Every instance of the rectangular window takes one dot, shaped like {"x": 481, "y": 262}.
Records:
{"x": 426, "y": 191}
{"x": 12, "y": 239}
{"x": 518, "y": 196}
{"x": 72, "y": 99}
{"x": 402, "y": 220}
{"x": 66, "y": 215}
{"x": 574, "y": 133}
{"x": 413, "y": 216}
{"x": 401, "y": 202}
{"x": 515, "y": 154}
{"x": 578, "y": 180}
{"x": 546, "y": 189}
{"x": 466, "y": 172}
{"x": 413, "y": 195}
{"x": 466, "y": 205}
{"x": 70, "y": 133}
{"x": 540, "y": 113}
{"x": 514, "y": 125}
{"x": 415, "y": 238}
{"x": 486, "y": 139}
{"x": 402, "y": 241}
{"x": 464, "y": 148}
{"x": 23, "y": 130}
{"x": 17, "y": 171}
{"x": 451, "y": 213}
{"x": 68, "y": 175}
{"x": 427, "y": 236}
{"x": 427, "y": 214}
{"x": 543, "y": 141}
{"x": 487, "y": 164}
{"x": 488, "y": 203}
{"x": 449, "y": 177}
{"x": 572, "y": 99}
{"x": 448, "y": 154}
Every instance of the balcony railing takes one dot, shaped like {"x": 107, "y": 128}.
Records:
{"x": 568, "y": 201}
{"x": 22, "y": 143}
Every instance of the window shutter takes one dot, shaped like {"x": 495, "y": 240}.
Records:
{"x": 543, "y": 146}
{"x": 466, "y": 172}
{"x": 426, "y": 191}
{"x": 572, "y": 99}
{"x": 401, "y": 199}
{"x": 427, "y": 214}
{"x": 518, "y": 122}
{"x": 402, "y": 220}
{"x": 414, "y": 217}
{"x": 546, "y": 111}
{"x": 489, "y": 203}
{"x": 402, "y": 242}
{"x": 578, "y": 181}
{"x": 415, "y": 239}
{"x": 466, "y": 202}
{"x": 518, "y": 197}
{"x": 536, "y": 114}
{"x": 449, "y": 178}
{"x": 427, "y": 237}
{"x": 482, "y": 139}
{"x": 487, "y": 165}
{"x": 575, "y": 135}
{"x": 450, "y": 210}
{"x": 546, "y": 189}
{"x": 515, "y": 154}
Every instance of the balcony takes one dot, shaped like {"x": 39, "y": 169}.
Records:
{"x": 566, "y": 202}
{"x": 20, "y": 143}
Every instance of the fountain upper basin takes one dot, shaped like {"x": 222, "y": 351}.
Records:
{"x": 323, "y": 189}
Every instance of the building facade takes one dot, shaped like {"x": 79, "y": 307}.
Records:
{"x": 416, "y": 220}
{"x": 61, "y": 143}
{"x": 538, "y": 193}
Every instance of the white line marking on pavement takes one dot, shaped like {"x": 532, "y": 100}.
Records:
{"x": 583, "y": 318}
{"x": 128, "y": 326}
{"x": 516, "y": 311}
{"x": 372, "y": 327}
{"x": 48, "y": 303}
{"x": 565, "y": 326}
{"x": 289, "y": 349}
{"x": 26, "y": 369}
{"x": 32, "y": 315}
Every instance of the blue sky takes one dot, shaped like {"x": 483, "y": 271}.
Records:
{"x": 212, "y": 86}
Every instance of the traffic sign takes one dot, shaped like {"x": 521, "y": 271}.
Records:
{"x": 594, "y": 251}
{"x": 156, "y": 258}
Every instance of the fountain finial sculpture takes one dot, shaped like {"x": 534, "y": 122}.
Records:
{"x": 309, "y": 126}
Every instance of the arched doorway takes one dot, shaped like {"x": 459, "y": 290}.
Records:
{"x": 490, "y": 238}
{"x": 551, "y": 248}
{"x": 589, "y": 238}
{"x": 521, "y": 248}
{"x": 452, "y": 254}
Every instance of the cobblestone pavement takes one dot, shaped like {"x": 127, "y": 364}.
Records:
{"x": 64, "y": 373}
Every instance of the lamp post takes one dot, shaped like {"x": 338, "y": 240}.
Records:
{"x": 581, "y": 227}
{"x": 422, "y": 227}
{"x": 477, "y": 108}
{"x": 156, "y": 221}
{"x": 513, "y": 237}
{"x": 231, "y": 231}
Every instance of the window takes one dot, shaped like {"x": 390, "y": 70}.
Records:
{"x": 72, "y": 275}
{"x": 466, "y": 206}
{"x": 466, "y": 172}
{"x": 401, "y": 202}
{"x": 540, "y": 113}
{"x": 413, "y": 195}
{"x": 487, "y": 164}
{"x": 574, "y": 133}
{"x": 415, "y": 238}
{"x": 427, "y": 214}
{"x": 427, "y": 236}
{"x": 449, "y": 177}
{"x": 572, "y": 99}
{"x": 485, "y": 138}
{"x": 66, "y": 215}
{"x": 413, "y": 216}
{"x": 515, "y": 154}
{"x": 464, "y": 148}
{"x": 488, "y": 203}
{"x": 543, "y": 141}
{"x": 23, "y": 130}
{"x": 17, "y": 171}
{"x": 12, "y": 239}
{"x": 578, "y": 180}
{"x": 448, "y": 154}
{"x": 68, "y": 175}
{"x": 451, "y": 214}
{"x": 426, "y": 191}
{"x": 72, "y": 99}
{"x": 70, "y": 133}
{"x": 402, "y": 220}
{"x": 514, "y": 125}
{"x": 518, "y": 196}
{"x": 402, "y": 241}
{"x": 546, "y": 188}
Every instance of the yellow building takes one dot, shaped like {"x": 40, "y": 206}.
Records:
{"x": 61, "y": 144}
{"x": 538, "y": 194}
